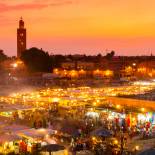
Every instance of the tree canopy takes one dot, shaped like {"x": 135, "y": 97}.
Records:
{"x": 110, "y": 55}
{"x": 36, "y": 60}
{"x": 2, "y": 56}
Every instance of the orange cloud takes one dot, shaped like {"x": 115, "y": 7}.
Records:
{"x": 6, "y": 7}
{"x": 55, "y": 2}
{"x": 62, "y": 2}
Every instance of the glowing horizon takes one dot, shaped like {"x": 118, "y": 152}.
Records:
{"x": 80, "y": 26}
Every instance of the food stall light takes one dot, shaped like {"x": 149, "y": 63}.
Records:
{"x": 118, "y": 106}
{"x": 141, "y": 117}
{"x": 133, "y": 119}
{"x": 93, "y": 138}
{"x": 110, "y": 117}
{"x": 97, "y": 101}
{"x": 94, "y": 103}
{"x": 123, "y": 116}
{"x": 136, "y": 147}
{"x": 142, "y": 109}
{"x": 116, "y": 142}
{"x": 42, "y": 130}
{"x": 38, "y": 96}
{"x": 56, "y": 99}
{"x": 47, "y": 136}
{"x": 1, "y": 150}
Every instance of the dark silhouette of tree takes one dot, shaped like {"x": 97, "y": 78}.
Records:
{"x": 70, "y": 57}
{"x": 110, "y": 55}
{"x": 3, "y": 57}
{"x": 98, "y": 57}
{"x": 36, "y": 60}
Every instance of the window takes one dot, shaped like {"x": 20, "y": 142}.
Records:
{"x": 21, "y": 34}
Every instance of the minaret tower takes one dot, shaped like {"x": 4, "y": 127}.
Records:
{"x": 21, "y": 38}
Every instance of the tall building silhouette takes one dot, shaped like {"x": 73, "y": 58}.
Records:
{"x": 21, "y": 38}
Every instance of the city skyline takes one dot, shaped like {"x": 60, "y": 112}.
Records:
{"x": 80, "y": 27}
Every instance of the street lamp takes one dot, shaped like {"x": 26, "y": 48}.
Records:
{"x": 136, "y": 149}
{"x": 15, "y": 65}
{"x": 134, "y": 64}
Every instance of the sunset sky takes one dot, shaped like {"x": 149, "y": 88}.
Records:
{"x": 80, "y": 26}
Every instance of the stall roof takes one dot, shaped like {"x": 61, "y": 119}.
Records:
{"x": 14, "y": 128}
{"x": 14, "y": 107}
{"x": 8, "y": 138}
{"x": 34, "y": 133}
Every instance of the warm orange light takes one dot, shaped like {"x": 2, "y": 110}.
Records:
{"x": 116, "y": 142}
{"x": 73, "y": 73}
{"x": 118, "y": 106}
{"x": 134, "y": 64}
{"x": 82, "y": 71}
{"x": 142, "y": 69}
{"x": 55, "y": 100}
{"x": 108, "y": 73}
{"x": 15, "y": 65}
{"x": 142, "y": 109}
{"x": 56, "y": 71}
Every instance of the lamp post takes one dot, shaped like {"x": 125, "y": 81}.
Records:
{"x": 134, "y": 68}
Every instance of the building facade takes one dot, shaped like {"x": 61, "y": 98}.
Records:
{"x": 146, "y": 69}
{"x": 21, "y": 38}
